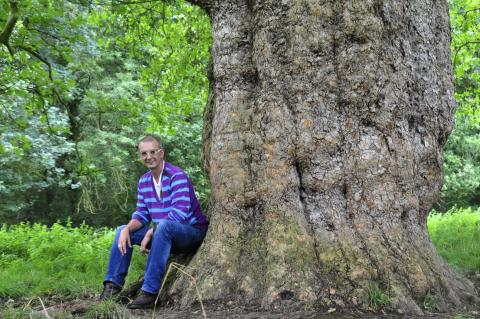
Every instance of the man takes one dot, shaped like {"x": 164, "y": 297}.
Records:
{"x": 165, "y": 197}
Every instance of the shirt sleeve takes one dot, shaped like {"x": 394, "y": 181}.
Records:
{"x": 141, "y": 213}
{"x": 180, "y": 195}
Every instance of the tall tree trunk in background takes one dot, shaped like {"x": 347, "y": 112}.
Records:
{"x": 324, "y": 143}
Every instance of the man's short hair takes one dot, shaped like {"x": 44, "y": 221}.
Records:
{"x": 151, "y": 137}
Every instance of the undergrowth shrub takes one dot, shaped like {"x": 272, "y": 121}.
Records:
{"x": 456, "y": 235}
{"x": 71, "y": 261}
{"x": 61, "y": 259}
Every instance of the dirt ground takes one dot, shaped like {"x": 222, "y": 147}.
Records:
{"x": 79, "y": 309}
{"x": 58, "y": 307}
{"x": 239, "y": 312}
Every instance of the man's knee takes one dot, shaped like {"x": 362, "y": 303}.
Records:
{"x": 119, "y": 230}
{"x": 162, "y": 227}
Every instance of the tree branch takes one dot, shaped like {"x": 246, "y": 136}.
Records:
{"x": 38, "y": 56}
{"x": 464, "y": 15}
{"x": 471, "y": 10}
{"x": 12, "y": 119}
{"x": 44, "y": 111}
{"x": 10, "y": 25}
{"x": 461, "y": 46}
{"x": 34, "y": 53}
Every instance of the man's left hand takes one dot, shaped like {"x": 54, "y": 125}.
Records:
{"x": 145, "y": 241}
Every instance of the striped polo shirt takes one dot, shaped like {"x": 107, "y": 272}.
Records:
{"x": 177, "y": 200}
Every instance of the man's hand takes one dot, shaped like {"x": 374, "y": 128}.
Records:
{"x": 145, "y": 241}
{"x": 124, "y": 240}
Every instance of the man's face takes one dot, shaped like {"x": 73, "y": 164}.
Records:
{"x": 151, "y": 154}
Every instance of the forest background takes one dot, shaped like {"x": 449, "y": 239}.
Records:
{"x": 82, "y": 81}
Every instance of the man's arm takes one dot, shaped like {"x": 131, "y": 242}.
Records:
{"x": 141, "y": 213}
{"x": 180, "y": 198}
{"x": 139, "y": 218}
{"x": 124, "y": 238}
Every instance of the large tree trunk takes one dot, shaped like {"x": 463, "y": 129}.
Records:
{"x": 324, "y": 143}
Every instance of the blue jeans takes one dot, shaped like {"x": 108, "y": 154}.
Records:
{"x": 169, "y": 236}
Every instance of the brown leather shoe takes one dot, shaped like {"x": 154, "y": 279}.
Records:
{"x": 110, "y": 290}
{"x": 144, "y": 300}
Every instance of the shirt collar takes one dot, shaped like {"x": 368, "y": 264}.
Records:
{"x": 160, "y": 177}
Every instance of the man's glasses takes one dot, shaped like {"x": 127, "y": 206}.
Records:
{"x": 151, "y": 153}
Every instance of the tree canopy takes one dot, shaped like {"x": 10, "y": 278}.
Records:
{"x": 81, "y": 81}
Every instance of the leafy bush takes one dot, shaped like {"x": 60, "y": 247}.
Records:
{"x": 462, "y": 165}
{"x": 456, "y": 235}
{"x": 65, "y": 260}
{"x": 29, "y": 161}
{"x": 62, "y": 260}
{"x": 462, "y": 152}
{"x": 68, "y": 126}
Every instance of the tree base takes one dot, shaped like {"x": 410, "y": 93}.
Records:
{"x": 132, "y": 290}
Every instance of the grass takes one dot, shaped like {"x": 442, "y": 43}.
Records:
{"x": 61, "y": 260}
{"x": 10, "y": 312}
{"x": 65, "y": 261}
{"x": 456, "y": 235}
{"x": 430, "y": 302}
{"x": 108, "y": 309}
{"x": 377, "y": 298}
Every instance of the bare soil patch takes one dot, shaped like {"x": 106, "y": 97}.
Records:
{"x": 216, "y": 310}
{"x": 58, "y": 307}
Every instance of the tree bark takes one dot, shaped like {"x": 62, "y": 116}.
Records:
{"x": 324, "y": 145}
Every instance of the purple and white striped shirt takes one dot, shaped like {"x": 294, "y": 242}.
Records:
{"x": 178, "y": 201}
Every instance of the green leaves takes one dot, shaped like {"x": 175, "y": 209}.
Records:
{"x": 466, "y": 53}
{"x": 36, "y": 87}
{"x": 36, "y": 259}
{"x": 88, "y": 79}
{"x": 84, "y": 83}
{"x": 462, "y": 166}
{"x": 462, "y": 159}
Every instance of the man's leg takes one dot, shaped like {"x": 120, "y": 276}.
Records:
{"x": 183, "y": 238}
{"x": 118, "y": 264}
